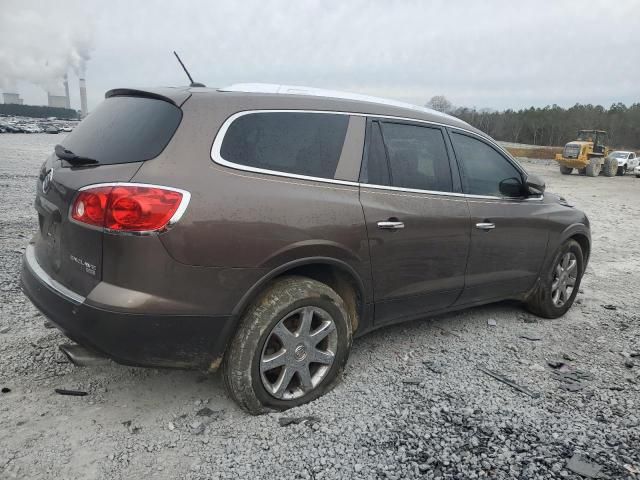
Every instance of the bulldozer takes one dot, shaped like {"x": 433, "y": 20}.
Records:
{"x": 588, "y": 154}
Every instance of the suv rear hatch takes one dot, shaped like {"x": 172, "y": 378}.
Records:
{"x": 110, "y": 145}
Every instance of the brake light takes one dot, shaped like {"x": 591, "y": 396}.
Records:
{"x": 128, "y": 207}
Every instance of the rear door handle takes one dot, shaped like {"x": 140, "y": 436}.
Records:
{"x": 390, "y": 225}
{"x": 486, "y": 226}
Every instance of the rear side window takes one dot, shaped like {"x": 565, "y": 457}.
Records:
{"x": 125, "y": 129}
{"x": 375, "y": 169}
{"x": 292, "y": 142}
{"x": 417, "y": 157}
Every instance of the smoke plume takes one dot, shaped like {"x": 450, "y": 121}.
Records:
{"x": 40, "y": 44}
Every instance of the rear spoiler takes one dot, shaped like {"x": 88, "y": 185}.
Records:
{"x": 175, "y": 96}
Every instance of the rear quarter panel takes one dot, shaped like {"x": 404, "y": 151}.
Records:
{"x": 245, "y": 220}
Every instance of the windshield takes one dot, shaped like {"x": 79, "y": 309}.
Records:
{"x": 619, "y": 154}
{"x": 586, "y": 136}
{"x": 125, "y": 129}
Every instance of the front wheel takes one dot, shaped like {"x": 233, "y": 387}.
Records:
{"x": 559, "y": 284}
{"x": 565, "y": 170}
{"x": 593, "y": 168}
{"x": 291, "y": 346}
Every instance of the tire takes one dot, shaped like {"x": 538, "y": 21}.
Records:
{"x": 285, "y": 303}
{"x": 541, "y": 302}
{"x": 610, "y": 167}
{"x": 565, "y": 170}
{"x": 621, "y": 171}
{"x": 593, "y": 169}
{"x": 637, "y": 176}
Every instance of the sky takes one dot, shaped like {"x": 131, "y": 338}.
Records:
{"x": 485, "y": 54}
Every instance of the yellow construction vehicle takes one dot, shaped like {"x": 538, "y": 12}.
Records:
{"x": 588, "y": 154}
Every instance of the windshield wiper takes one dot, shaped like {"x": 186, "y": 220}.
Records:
{"x": 71, "y": 157}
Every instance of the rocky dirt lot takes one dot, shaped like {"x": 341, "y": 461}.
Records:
{"x": 414, "y": 401}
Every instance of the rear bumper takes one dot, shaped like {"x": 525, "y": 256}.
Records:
{"x": 175, "y": 341}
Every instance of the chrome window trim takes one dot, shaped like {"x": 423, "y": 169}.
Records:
{"x": 38, "y": 271}
{"x": 216, "y": 157}
{"x": 175, "y": 218}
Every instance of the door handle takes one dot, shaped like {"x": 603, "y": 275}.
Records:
{"x": 486, "y": 226}
{"x": 391, "y": 225}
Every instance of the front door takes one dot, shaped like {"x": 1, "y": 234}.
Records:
{"x": 418, "y": 228}
{"x": 508, "y": 232}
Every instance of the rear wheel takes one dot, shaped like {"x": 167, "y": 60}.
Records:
{"x": 559, "y": 284}
{"x": 565, "y": 170}
{"x": 290, "y": 348}
{"x": 593, "y": 169}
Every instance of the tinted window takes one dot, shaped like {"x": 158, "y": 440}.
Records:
{"x": 300, "y": 143}
{"x": 417, "y": 157}
{"x": 125, "y": 129}
{"x": 375, "y": 169}
{"x": 483, "y": 167}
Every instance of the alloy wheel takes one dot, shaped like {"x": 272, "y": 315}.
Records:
{"x": 564, "y": 279}
{"x": 298, "y": 353}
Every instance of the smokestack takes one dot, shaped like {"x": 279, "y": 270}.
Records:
{"x": 66, "y": 90}
{"x": 83, "y": 97}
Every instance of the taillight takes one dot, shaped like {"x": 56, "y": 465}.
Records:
{"x": 129, "y": 207}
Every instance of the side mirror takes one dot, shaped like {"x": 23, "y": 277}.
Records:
{"x": 511, "y": 187}
{"x": 534, "y": 185}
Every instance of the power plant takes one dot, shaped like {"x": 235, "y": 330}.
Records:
{"x": 13, "y": 98}
{"x": 54, "y": 99}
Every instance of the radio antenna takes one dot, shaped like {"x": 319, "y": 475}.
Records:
{"x": 193, "y": 84}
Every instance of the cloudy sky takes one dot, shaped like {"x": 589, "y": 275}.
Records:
{"x": 496, "y": 54}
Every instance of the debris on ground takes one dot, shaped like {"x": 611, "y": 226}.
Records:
{"x": 6, "y": 389}
{"x": 307, "y": 420}
{"x": 412, "y": 381}
{"x": 577, "y": 464}
{"x": 511, "y": 383}
{"x": 629, "y": 363}
{"x": 572, "y": 381}
{"x": 531, "y": 337}
{"x": 436, "y": 366}
{"x": 5, "y": 330}
{"x": 609, "y": 307}
{"x": 492, "y": 322}
{"x": 73, "y": 393}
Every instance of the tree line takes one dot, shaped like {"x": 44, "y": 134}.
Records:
{"x": 37, "y": 111}
{"x": 551, "y": 125}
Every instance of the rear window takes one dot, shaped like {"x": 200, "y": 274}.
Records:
{"x": 125, "y": 129}
{"x": 292, "y": 142}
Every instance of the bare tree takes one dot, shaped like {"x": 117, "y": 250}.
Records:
{"x": 440, "y": 103}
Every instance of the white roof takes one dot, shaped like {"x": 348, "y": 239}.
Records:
{"x": 319, "y": 92}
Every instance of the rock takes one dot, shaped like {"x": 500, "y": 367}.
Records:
{"x": 609, "y": 307}
{"x": 629, "y": 363}
{"x": 492, "y": 322}
{"x": 412, "y": 381}
{"x": 579, "y": 465}
{"x": 5, "y": 330}
{"x": 171, "y": 426}
{"x": 357, "y": 468}
{"x": 5, "y": 390}
{"x": 197, "y": 428}
{"x": 555, "y": 363}
{"x": 307, "y": 420}
{"x": 204, "y": 412}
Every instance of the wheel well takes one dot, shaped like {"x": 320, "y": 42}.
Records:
{"x": 339, "y": 280}
{"x": 583, "y": 241}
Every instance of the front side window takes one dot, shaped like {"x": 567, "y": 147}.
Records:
{"x": 485, "y": 171}
{"x": 417, "y": 157}
{"x": 301, "y": 143}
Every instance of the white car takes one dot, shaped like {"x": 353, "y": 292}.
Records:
{"x": 626, "y": 161}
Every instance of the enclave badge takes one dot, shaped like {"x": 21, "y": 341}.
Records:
{"x": 46, "y": 181}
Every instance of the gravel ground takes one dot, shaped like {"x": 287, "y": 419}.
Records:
{"x": 413, "y": 403}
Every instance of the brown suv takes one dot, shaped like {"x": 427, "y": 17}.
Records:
{"x": 262, "y": 227}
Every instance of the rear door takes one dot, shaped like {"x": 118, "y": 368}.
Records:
{"x": 119, "y": 135}
{"x": 508, "y": 232}
{"x": 418, "y": 227}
